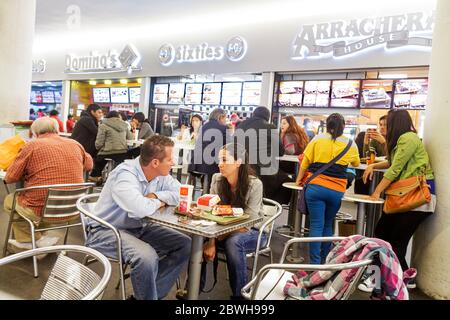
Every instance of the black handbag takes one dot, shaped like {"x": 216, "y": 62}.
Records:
{"x": 301, "y": 203}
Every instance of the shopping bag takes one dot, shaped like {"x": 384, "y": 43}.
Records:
{"x": 9, "y": 149}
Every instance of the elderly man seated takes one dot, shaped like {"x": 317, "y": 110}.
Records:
{"x": 48, "y": 159}
{"x": 134, "y": 190}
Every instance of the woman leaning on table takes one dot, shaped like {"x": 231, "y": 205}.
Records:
{"x": 238, "y": 186}
{"x": 407, "y": 158}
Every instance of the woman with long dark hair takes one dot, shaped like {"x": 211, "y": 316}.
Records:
{"x": 139, "y": 122}
{"x": 238, "y": 186}
{"x": 407, "y": 158}
{"x": 324, "y": 192}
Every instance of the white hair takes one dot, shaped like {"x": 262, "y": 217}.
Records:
{"x": 44, "y": 125}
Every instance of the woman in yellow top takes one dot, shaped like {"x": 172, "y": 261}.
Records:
{"x": 324, "y": 193}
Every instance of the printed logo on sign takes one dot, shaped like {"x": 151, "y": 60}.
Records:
{"x": 235, "y": 50}
{"x": 128, "y": 60}
{"x": 412, "y": 29}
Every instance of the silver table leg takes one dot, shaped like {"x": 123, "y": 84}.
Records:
{"x": 361, "y": 214}
{"x": 195, "y": 267}
{"x": 295, "y": 257}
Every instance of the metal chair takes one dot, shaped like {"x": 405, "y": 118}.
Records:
{"x": 59, "y": 209}
{"x": 69, "y": 279}
{"x": 110, "y": 165}
{"x": 270, "y": 280}
{"x": 85, "y": 205}
{"x": 272, "y": 210}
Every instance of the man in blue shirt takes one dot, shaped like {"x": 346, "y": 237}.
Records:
{"x": 134, "y": 190}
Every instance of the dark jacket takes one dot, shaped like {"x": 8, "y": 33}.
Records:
{"x": 265, "y": 132}
{"x": 85, "y": 132}
{"x": 272, "y": 176}
{"x": 212, "y": 143}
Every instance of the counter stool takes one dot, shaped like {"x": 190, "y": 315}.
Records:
{"x": 362, "y": 201}
{"x": 110, "y": 165}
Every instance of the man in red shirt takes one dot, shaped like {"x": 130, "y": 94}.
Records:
{"x": 70, "y": 123}
{"x": 54, "y": 115}
{"x": 48, "y": 159}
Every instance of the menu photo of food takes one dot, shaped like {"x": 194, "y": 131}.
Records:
{"x": 101, "y": 95}
{"x": 411, "y": 93}
{"x": 176, "y": 93}
{"x": 345, "y": 93}
{"x": 135, "y": 94}
{"x": 376, "y": 94}
{"x": 290, "y": 93}
{"x": 160, "y": 92}
{"x": 36, "y": 97}
{"x": 317, "y": 93}
{"x": 251, "y": 93}
{"x": 211, "y": 93}
{"x": 193, "y": 93}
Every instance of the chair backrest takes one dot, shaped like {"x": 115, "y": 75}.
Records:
{"x": 69, "y": 279}
{"x": 85, "y": 206}
{"x": 272, "y": 210}
{"x": 61, "y": 201}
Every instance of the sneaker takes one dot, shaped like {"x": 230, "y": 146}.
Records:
{"x": 15, "y": 247}
{"x": 367, "y": 285}
{"x": 409, "y": 277}
{"x": 411, "y": 284}
{"x": 47, "y": 241}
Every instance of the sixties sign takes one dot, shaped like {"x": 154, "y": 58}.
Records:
{"x": 128, "y": 60}
{"x": 235, "y": 50}
{"x": 412, "y": 29}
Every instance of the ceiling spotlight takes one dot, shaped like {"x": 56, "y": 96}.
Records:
{"x": 123, "y": 81}
{"x": 92, "y": 82}
{"x": 108, "y": 82}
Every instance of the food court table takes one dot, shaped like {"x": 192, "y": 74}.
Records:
{"x": 372, "y": 212}
{"x": 362, "y": 201}
{"x": 167, "y": 217}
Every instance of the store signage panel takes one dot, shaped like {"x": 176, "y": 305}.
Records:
{"x": 345, "y": 94}
{"x": 234, "y": 50}
{"x": 376, "y": 94}
{"x": 127, "y": 61}
{"x": 411, "y": 93}
{"x": 332, "y": 38}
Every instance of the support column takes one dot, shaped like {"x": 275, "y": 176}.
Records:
{"x": 267, "y": 85}
{"x": 17, "y": 19}
{"x": 431, "y": 249}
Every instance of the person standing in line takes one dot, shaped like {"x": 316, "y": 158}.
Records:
{"x": 86, "y": 128}
{"x": 70, "y": 123}
{"x": 324, "y": 193}
{"x": 54, "y": 115}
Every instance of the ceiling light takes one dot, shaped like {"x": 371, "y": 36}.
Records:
{"x": 139, "y": 80}
{"x": 92, "y": 82}
{"x": 107, "y": 82}
{"x": 123, "y": 81}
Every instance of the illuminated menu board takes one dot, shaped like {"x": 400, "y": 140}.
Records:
{"x": 119, "y": 95}
{"x": 101, "y": 95}
{"x": 211, "y": 93}
{"x": 376, "y": 94}
{"x": 290, "y": 93}
{"x": 160, "y": 92}
{"x": 251, "y": 93}
{"x": 176, "y": 93}
{"x": 231, "y": 93}
{"x": 345, "y": 93}
{"x": 135, "y": 94}
{"x": 411, "y": 94}
{"x": 193, "y": 93}
{"x": 48, "y": 97}
{"x": 36, "y": 97}
{"x": 316, "y": 93}
{"x": 57, "y": 96}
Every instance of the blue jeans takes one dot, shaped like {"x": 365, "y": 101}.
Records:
{"x": 236, "y": 247}
{"x": 152, "y": 277}
{"x": 323, "y": 204}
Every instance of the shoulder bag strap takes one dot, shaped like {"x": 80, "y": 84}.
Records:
{"x": 329, "y": 164}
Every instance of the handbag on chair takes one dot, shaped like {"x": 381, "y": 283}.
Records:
{"x": 407, "y": 194}
{"x": 301, "y": 203}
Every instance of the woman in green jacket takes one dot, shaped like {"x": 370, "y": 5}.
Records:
{"x": 111, "y": 143}
{"x": 407, "y": 157}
